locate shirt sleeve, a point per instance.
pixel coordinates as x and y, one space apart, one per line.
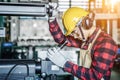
103 60
59 37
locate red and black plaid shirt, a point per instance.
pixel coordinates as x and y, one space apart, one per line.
104 52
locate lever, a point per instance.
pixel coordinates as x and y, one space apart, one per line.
62 45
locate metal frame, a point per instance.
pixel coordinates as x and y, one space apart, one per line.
23 9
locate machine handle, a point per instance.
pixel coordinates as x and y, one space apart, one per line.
61 46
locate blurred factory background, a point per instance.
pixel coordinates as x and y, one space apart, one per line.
25 36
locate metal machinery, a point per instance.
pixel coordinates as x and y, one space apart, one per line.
24 57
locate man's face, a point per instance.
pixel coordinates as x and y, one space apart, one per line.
77 33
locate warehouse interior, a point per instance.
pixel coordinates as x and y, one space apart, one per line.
25 36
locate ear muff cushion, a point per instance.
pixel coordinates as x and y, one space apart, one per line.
88 20
88 23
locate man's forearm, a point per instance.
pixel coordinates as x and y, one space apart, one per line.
56 32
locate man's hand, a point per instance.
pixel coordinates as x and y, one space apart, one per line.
53 11
56 57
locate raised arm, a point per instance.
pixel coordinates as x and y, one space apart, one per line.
59 37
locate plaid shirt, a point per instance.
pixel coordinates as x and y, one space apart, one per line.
103 54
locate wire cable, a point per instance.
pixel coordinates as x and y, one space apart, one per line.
6 78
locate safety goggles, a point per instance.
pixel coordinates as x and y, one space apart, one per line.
74 33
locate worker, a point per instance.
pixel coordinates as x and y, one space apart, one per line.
82 33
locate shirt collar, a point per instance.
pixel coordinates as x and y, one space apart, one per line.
90 39
93 35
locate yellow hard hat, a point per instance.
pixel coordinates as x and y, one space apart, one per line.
71 17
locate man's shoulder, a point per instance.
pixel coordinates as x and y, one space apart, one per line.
104 37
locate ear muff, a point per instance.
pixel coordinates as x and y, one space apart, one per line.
88 21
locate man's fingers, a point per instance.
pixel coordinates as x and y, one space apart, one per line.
50 56
50 51
55 50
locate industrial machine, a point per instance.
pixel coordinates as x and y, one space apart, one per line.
31 69
16 65
24 57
